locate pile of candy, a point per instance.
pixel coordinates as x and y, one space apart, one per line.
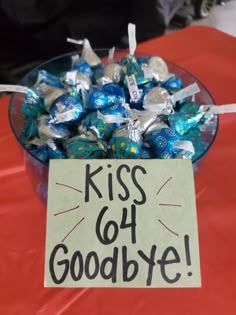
130 109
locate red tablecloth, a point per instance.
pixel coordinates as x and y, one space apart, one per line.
211 56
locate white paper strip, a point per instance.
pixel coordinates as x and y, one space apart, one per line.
111 55
132 38
185 92
133 88
66 116
220 109
13 88
75 41
74 60
110 119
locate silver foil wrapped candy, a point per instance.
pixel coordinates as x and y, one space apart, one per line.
158 100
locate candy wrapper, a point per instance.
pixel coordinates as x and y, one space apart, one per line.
126 142
33 106
47 130
29 130
154 67
161 141
102 124
113 72
44 151
54 151
137 100
48 78
88 54
182 123
173 82
167 144
84 67
98 127
156 125
81 148
108 95
76 80
144 119
158 100
133 68
124 148
66 109
146 153
49 94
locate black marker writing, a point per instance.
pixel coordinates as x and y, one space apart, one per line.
164 262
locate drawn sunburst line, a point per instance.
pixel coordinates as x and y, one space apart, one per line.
168 228
65 211
72 230
67 186
169 205
163 185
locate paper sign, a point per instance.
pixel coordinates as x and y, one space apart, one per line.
121 223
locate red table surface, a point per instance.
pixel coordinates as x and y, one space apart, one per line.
210 55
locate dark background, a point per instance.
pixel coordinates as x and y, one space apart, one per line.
32 31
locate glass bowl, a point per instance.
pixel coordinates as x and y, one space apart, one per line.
38 170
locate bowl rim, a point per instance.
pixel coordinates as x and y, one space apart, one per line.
76 52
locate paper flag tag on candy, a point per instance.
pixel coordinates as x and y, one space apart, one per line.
190 90
132 38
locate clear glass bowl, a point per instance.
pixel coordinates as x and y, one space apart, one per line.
37 170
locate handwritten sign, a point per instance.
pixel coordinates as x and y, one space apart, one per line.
121 223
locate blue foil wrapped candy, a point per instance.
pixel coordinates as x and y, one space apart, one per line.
146 153
29 130
47 130
143 59
98 127
33 105
114 89
124 148
133 68
200 144
48 150
125 142
173 82
143 89
49 94
84 67
161 142
182 123
189 108
100 98
81 148
54 151
116 110
97 74
48 78
76 80
40 153
67 109
186 118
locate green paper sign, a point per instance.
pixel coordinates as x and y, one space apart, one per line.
121 223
